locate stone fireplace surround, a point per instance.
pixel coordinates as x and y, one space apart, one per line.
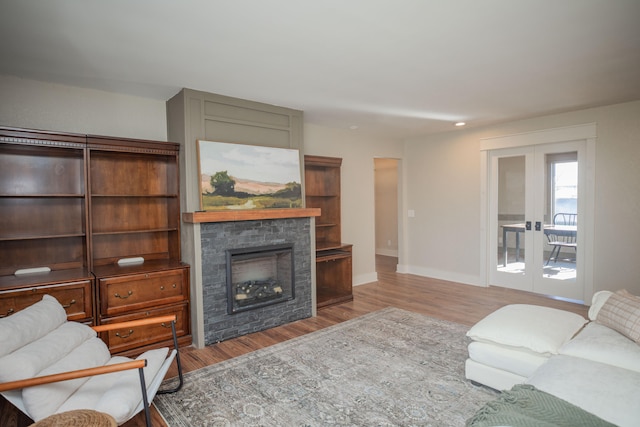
229 232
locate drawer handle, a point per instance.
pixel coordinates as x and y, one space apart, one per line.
9 313
117 295
125 336
164 325
70 304
162 287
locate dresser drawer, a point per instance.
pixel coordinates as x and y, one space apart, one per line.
120 340
75 297
123 294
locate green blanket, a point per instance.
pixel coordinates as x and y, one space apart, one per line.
526 406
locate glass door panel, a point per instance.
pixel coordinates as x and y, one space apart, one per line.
561 214
510 243
557 260
511 214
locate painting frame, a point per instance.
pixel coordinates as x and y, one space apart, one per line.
237 176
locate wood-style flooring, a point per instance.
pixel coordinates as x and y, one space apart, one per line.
456 302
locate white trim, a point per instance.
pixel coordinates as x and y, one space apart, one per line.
402 268
443 275
546 136
484 221
387 252
363 279
589 226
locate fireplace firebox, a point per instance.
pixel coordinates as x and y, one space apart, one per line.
259 276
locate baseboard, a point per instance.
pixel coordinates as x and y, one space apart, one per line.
441 275
387 252
362 279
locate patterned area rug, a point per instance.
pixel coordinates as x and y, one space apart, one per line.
387 368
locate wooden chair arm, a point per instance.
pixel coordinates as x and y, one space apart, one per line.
132 323
81 373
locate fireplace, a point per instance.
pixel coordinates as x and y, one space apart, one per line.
287 243
259 276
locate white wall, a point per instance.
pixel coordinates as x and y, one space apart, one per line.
46 106
442 175
357 195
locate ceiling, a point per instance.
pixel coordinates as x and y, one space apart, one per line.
391 68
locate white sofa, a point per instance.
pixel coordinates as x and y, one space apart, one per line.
595 367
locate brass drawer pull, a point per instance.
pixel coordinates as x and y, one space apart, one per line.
117 295
70 304
125 336
173 286
9 313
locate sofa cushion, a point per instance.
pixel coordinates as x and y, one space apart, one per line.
542 330
621 312
606 391
32 358
519 361
597 301
601 344
31 323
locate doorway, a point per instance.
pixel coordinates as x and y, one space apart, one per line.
386 213
538 223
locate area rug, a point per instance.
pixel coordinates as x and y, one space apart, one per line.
387 368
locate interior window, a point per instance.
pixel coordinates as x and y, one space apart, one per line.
563 183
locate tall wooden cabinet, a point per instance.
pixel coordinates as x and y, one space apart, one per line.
43 222
333 258
103 214
135 239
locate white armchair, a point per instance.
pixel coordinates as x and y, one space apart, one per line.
49 365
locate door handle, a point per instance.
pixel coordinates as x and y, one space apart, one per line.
527 225
538 225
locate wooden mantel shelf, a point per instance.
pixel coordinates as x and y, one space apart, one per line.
247 215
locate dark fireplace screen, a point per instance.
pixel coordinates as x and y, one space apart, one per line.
259 276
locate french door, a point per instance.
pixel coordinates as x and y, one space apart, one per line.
536 218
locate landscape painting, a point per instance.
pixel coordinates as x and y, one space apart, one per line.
239 176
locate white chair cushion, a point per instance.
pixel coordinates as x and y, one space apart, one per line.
32 358
43 400
540 329
117 394
30 324
122 395
89 394
601 344
122 398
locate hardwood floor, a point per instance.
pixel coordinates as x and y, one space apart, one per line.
456 302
